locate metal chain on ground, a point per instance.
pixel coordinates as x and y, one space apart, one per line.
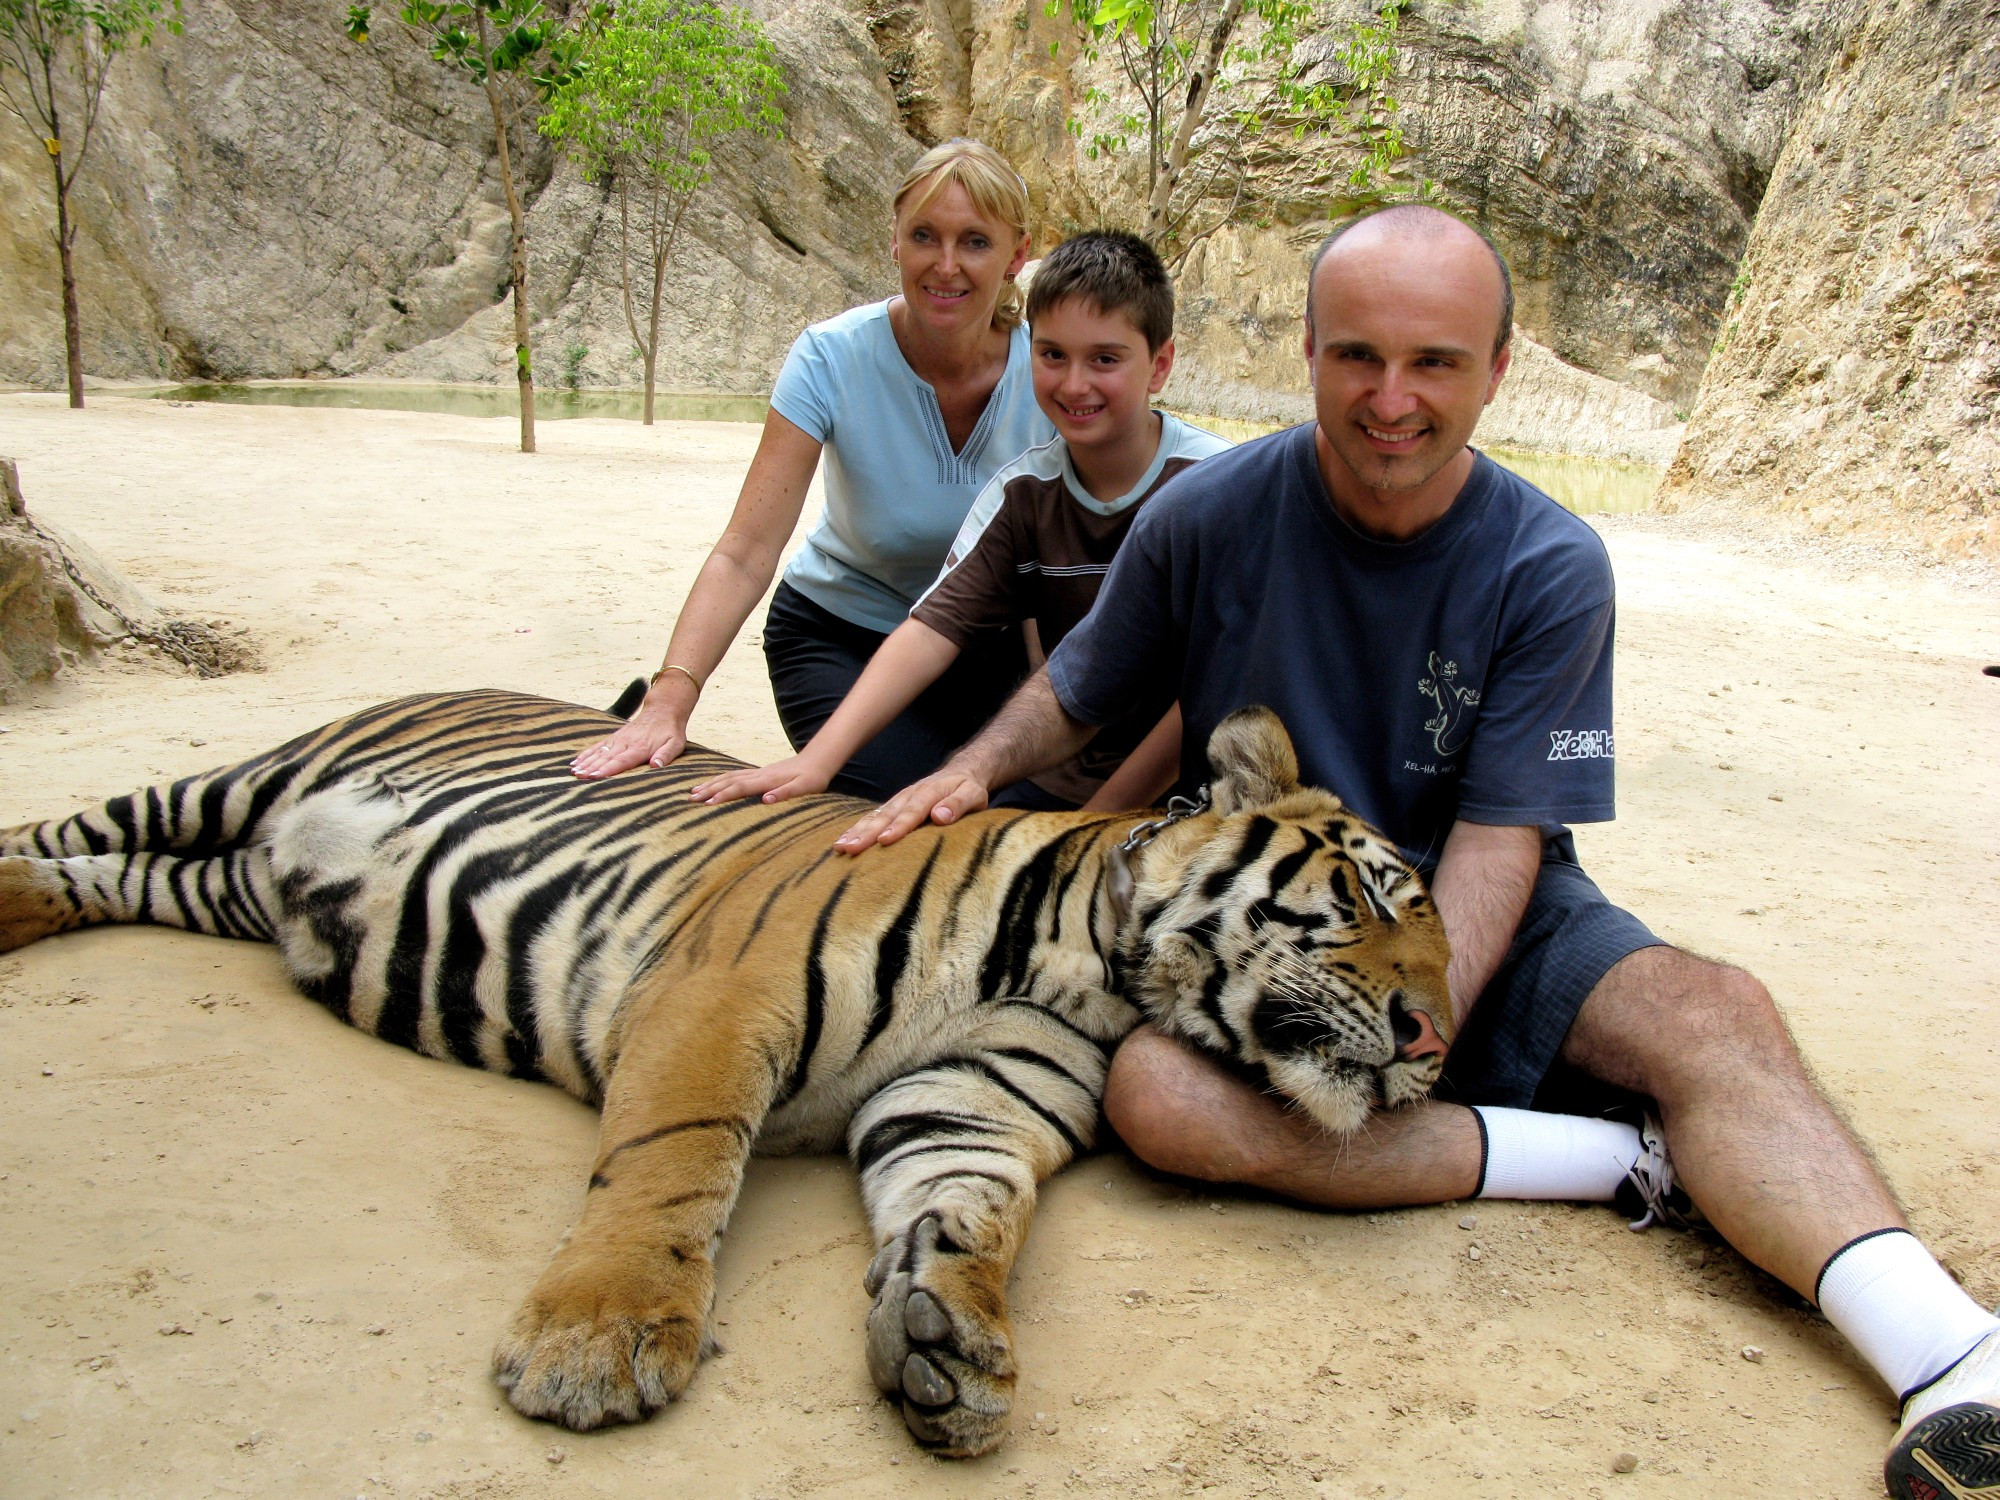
203 649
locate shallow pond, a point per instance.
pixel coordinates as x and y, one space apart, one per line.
1585 485
1588 486
472 400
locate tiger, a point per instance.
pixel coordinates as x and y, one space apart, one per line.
718 979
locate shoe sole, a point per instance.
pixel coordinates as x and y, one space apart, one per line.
1953 1454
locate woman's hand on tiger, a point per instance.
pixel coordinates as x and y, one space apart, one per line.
943 797
652 737
795 776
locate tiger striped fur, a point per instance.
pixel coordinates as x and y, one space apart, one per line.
718 979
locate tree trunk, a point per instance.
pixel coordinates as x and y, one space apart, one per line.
640 342
661 252
65 246
523 364
72 318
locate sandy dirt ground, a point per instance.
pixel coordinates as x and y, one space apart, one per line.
245 1251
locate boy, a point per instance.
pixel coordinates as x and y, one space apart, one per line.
1037 542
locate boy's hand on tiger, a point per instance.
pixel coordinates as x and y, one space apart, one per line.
942 797
649 738
794 776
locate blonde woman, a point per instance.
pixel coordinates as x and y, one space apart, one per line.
914 403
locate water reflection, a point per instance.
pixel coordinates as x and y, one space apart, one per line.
1236 429
1587 486
473 400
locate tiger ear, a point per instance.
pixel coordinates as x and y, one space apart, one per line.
1252 759
1119 885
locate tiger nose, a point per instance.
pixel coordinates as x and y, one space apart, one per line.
1416 1034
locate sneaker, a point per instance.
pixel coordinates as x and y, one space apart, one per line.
1649 1195
1948 1447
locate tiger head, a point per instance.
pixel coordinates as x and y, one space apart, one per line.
1277 929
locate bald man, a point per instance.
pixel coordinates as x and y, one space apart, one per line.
1436 633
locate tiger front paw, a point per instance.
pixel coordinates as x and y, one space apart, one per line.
587 1350
939 1342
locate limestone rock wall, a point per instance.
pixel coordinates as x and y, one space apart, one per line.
794 229
1618 153
1615 149
1857 383
257 193
269 200
1553 407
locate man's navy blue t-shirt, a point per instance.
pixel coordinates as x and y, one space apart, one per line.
1464 674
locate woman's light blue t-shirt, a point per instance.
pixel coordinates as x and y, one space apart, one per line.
895 492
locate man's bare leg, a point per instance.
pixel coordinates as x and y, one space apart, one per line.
1181 1113
1786 1183
1753 1142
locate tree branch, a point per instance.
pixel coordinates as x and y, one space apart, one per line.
1199 90
93 96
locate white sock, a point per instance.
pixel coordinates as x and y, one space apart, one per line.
1900 1309
1560 1158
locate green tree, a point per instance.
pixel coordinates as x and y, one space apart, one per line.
54 58
654 91
1204 79
517 53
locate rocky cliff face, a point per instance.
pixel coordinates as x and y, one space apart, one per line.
1615 149
1856 384
268 199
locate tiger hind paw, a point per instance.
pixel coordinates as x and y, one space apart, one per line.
33 903
938 1340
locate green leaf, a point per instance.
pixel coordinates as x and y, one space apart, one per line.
658 82
1340 91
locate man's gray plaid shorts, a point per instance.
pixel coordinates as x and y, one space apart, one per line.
1569 938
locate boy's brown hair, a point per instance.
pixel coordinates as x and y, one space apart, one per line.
1116 273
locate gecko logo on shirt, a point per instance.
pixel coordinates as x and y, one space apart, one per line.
1451 725
1580 744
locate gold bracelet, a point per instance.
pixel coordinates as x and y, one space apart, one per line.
674 667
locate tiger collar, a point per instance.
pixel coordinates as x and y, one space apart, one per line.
1119 884
1177 809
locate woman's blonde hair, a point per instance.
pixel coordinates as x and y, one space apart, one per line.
996 190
